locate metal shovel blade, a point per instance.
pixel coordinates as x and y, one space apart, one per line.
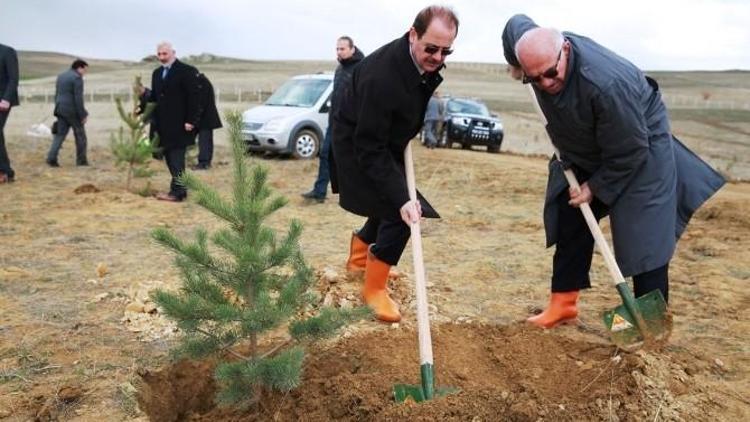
406 392
625 333
423 392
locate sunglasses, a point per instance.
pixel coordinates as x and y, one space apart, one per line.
548 74
432 49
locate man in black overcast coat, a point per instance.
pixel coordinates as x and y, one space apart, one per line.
381 110
174 89
8 99
348 56
209 121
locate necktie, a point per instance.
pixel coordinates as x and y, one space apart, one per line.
164 72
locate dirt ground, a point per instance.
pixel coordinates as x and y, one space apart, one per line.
80 341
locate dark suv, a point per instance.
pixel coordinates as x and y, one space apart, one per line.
468 122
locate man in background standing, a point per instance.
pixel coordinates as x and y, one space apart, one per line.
432 118
174 89
209 121
70 113
348 57
8 99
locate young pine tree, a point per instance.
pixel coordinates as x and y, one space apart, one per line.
133 150
249 283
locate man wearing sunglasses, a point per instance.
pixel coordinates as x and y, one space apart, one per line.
611 127
381 110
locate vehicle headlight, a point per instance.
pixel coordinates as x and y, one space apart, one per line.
274 125
497 127
460 121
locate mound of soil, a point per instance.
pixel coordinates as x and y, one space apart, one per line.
514 373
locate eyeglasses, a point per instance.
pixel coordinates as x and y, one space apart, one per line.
548 74
432 49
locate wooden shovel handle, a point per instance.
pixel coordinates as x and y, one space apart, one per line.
588 215
423 316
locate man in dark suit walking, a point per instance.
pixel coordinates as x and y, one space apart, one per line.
8 99
209 121
174 89
70 113
382 109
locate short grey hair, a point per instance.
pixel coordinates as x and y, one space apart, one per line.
165 44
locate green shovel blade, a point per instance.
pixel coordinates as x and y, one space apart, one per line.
425 391
623 330
405 392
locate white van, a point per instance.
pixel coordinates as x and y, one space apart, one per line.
293 120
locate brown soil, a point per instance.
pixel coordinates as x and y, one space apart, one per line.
77 330
514 373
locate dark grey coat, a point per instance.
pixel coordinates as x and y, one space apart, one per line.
610 121
434 109
69 96
8 75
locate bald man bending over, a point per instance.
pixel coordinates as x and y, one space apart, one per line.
611 127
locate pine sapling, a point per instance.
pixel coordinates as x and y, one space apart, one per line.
132 146
244 282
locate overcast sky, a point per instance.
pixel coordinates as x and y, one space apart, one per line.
654 34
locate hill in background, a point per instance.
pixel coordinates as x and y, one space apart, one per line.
41 64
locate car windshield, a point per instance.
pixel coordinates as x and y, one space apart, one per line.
298 93
467 107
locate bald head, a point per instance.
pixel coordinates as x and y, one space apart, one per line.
543 54
539 44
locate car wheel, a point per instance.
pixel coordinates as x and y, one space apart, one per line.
305 144
466 146
494 149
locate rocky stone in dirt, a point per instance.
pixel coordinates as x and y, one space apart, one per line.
101 270
65 397
86 188
135 307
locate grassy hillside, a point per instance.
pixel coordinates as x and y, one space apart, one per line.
40 64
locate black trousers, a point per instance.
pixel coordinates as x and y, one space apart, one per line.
4 159
175 158
389 238
205 146
575 246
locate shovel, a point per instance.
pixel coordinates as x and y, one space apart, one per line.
638 321
426 390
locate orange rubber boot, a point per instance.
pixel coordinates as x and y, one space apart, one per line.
562 308
375 293
357 254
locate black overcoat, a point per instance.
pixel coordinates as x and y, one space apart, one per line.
209 114
177 103
381 110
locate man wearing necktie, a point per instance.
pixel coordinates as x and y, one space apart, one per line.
174 89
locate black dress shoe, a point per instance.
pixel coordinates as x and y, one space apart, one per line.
314 196
53 163
83 164
201 167
168 197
